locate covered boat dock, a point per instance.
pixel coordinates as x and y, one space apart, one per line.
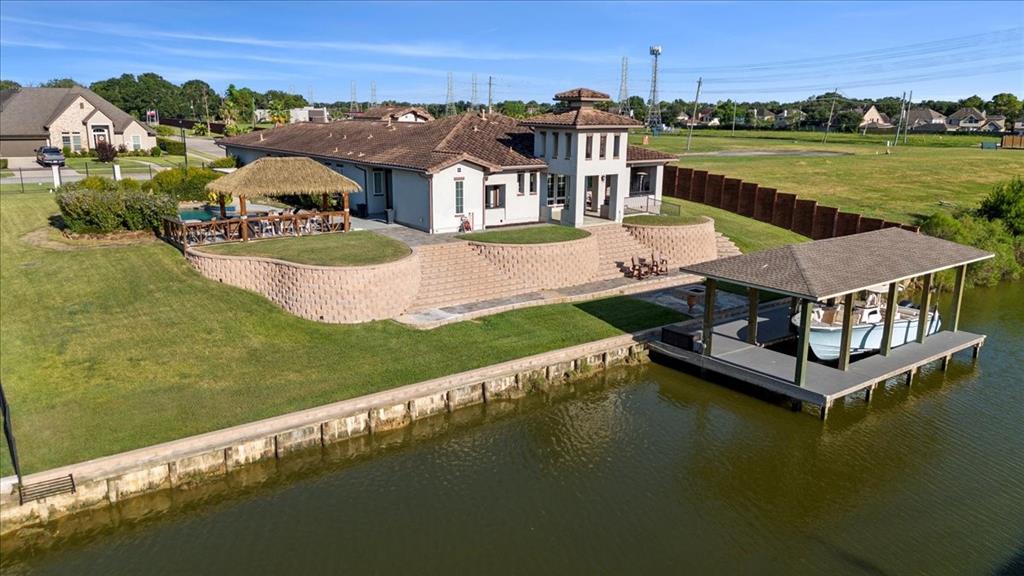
825 271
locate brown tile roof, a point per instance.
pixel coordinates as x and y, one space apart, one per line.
29 111
578 94
828 268
641 154
588 117
393 112
494 141
965 112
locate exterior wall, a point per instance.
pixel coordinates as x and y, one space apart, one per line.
443 191
356 174
532 264
147 142
577 167
411 195
101 120
410 117
333 294
518 209
71 121
244 155
680 245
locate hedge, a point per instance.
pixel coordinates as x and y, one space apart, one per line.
101 205
173 147
3 163
182 185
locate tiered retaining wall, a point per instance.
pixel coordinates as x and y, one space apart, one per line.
680 245
768 204
545 266
187 462
346 295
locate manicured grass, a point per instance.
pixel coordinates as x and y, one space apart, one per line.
540 234
913 181
661 220
749 235
360 248
109 349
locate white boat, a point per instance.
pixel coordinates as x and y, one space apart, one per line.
868 326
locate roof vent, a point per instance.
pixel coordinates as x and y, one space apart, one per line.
361 154
368 136
344 136
335 149
476 128
330 134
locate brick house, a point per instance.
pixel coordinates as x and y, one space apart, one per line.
76 118
486 169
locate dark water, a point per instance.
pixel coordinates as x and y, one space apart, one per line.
639 470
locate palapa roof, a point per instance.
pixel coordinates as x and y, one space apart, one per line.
29 111
830 268
290 176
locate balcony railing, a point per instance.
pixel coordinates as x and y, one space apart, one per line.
197 233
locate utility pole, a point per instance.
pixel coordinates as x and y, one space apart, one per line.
734 118
899 120
490 94
831 111
184 145
906 123
373 94
624 88
449 99
206 108
693 118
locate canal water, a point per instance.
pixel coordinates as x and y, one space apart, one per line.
637 470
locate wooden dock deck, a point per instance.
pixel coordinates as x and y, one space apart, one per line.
733 357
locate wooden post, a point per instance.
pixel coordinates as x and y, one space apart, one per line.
753 295
324 202
847 333
709 314
890 316
910 376
926 303
945 363
958 297
803 343
241 215
344 201
223 208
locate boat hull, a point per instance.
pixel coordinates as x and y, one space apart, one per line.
826 342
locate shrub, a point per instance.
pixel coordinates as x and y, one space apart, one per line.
105 152
1006 202
174 147
155 151
182 185
101 205
162 130
3 163
199 129
991 235
225 162
67 151
122 149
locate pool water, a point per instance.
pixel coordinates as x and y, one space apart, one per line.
195 214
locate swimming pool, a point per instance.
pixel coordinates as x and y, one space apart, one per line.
197 214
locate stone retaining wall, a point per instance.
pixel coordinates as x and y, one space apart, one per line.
334 294
545 266
681 245
214 455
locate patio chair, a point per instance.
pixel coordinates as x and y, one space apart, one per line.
659 264
639 269
285 225
265 228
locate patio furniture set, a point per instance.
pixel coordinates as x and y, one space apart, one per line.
642 267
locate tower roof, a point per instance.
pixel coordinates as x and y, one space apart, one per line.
582 95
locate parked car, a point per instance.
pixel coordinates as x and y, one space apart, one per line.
48 156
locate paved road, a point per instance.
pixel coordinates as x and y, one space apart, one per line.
204 146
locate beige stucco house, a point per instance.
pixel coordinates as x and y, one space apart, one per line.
74 118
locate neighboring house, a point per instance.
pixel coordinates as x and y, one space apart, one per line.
924 118
487 169
763 116
788 118
303 114
994 123
967 119
75 118
394 114
875 119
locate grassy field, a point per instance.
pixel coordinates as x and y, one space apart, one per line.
748 234
112 348
914 181
529 235
359 248
661 220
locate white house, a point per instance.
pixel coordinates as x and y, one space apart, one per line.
394 114
75 118
874 118
483 169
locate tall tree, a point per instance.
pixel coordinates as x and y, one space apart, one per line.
200 98
1006 104
60 83
973 102
9 85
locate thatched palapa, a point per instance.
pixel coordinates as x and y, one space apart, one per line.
289 176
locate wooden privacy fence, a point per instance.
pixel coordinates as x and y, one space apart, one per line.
1013 142
768 205
196 233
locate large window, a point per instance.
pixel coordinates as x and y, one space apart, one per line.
521 177
378 183
568 145
76 141
459 196
590 147
555 143
543 144
615 146
557 185
533 184
65 140
495 196
603 150
136 142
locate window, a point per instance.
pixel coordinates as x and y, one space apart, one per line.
590 146
65 139
522 185
495 196
543 144
459 185
533 184
603 150
615 146
76 141
378 183
136 142
568 145
557 184
554 145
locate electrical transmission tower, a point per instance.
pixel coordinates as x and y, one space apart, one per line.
490 94
624 89
353 105
654 105
449 99
373 94
473 98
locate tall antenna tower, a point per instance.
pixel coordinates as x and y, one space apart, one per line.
449 99
373 94
353 105
654 104
624 89
473 98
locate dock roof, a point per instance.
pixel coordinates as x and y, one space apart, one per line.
830 268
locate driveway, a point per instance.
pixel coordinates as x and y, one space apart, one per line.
24 162
204 146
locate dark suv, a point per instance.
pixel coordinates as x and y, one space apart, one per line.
48 156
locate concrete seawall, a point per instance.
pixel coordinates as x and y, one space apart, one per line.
207 457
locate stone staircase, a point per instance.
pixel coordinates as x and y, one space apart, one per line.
616 247
726 247
453 273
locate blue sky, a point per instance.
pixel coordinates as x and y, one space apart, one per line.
747 51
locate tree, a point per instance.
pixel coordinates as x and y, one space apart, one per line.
9 85
228 112
105 152
201 98
973 102
513 108
59 83
1006 202
287 100
1006 104
279 114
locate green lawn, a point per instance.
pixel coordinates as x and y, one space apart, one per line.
359 248
661 220
540 234
748 234
114 348
136 164
913 181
